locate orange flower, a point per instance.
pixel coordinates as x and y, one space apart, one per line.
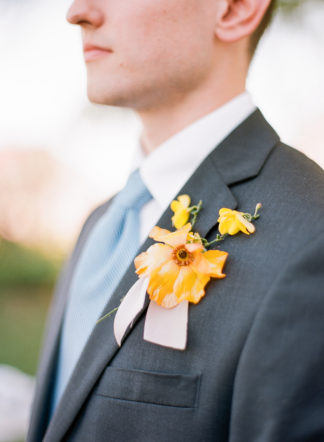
178 270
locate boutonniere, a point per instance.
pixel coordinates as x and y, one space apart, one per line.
175 271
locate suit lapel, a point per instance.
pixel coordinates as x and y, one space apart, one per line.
239 157
47 364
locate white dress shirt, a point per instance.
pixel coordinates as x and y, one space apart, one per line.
166 169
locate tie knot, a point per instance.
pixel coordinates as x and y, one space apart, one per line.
135 194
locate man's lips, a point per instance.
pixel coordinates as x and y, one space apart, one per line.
92 52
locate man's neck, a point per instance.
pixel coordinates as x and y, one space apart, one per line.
160 124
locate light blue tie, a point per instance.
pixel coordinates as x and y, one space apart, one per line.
109 250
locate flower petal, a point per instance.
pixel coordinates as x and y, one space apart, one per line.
180 218
224 211
198 290
184 200
158 234
169 301
249 227
190 285
231 222
233 226
173 239
194 247
181 211
161 284
210 263
152 259
175 205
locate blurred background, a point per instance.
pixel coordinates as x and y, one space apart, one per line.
60 156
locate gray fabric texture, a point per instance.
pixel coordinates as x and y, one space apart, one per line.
252 370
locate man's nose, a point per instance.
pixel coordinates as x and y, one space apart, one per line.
84 12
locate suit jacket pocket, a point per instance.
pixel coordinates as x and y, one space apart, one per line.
176 390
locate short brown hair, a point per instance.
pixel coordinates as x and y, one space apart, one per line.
256 36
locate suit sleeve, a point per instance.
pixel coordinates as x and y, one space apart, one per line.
278 392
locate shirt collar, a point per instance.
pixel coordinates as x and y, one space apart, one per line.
166 169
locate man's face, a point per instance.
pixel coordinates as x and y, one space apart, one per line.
158 50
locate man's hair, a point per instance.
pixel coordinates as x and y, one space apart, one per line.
256 36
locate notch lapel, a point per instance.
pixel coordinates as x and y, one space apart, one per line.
239 157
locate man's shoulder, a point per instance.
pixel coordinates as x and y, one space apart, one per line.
297 165
290 187
294 178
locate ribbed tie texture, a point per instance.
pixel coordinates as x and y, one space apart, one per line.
109 249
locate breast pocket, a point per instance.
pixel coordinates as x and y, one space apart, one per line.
175 390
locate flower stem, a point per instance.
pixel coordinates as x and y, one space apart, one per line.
107 315
256 212
218 238
194 210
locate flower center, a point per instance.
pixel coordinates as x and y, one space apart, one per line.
182 256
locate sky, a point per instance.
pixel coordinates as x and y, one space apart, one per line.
44 105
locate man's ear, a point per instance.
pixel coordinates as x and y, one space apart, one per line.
239 18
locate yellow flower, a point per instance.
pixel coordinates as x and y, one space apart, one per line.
232 222
181 211
178 270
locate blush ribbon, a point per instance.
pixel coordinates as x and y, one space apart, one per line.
165 327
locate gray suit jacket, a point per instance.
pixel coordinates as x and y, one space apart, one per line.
254 363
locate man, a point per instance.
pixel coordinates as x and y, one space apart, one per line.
252 368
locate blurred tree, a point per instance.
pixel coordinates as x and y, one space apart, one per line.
289 5
22 266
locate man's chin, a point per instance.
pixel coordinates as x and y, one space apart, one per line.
96 100
103 97
121 97
96 97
